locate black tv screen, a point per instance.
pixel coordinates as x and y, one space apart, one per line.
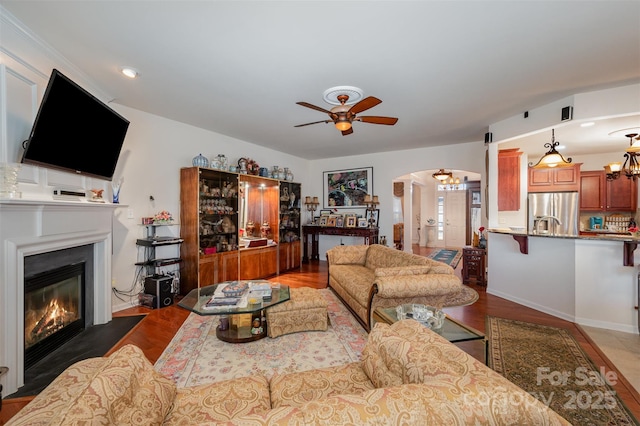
75 131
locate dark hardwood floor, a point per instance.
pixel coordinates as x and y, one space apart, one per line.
155 332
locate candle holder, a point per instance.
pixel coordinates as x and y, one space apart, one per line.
372 206
312 205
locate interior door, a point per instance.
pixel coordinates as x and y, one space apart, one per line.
455 214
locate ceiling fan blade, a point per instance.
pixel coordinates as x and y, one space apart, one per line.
317 108
390 121
366 103
347 132
315 122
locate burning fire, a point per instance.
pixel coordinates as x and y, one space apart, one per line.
53 318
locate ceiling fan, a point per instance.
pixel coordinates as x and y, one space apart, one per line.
343 115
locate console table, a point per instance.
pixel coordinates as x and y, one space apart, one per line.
370 236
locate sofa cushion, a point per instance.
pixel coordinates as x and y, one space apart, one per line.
220 402
126 390
402 270
295 389
355 280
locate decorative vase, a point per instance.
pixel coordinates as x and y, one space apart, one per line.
274 172
115 186
242 163
476 240
265 230
200 161
482 242
250 228
220 162
288 175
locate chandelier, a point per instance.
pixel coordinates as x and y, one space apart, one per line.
631 167
453 184
552 158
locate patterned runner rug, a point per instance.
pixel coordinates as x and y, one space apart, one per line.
196 356
449 256
549 363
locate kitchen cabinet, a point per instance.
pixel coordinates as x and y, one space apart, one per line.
509 179
555 179
598 194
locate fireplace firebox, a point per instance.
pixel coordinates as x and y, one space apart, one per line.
54 310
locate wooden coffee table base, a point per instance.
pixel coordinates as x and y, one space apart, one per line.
238 332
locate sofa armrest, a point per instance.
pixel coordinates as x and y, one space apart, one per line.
403 286
347 255
440 268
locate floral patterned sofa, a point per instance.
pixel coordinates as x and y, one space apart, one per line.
369 276
408 375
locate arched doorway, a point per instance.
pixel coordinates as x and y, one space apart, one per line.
435 213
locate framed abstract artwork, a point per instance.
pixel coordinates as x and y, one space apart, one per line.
347 188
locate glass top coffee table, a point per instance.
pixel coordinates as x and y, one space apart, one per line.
452 330
237 324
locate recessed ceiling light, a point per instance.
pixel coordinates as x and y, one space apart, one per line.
561 147
129 72
588 124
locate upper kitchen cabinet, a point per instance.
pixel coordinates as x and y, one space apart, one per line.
599 194
509 179
558 179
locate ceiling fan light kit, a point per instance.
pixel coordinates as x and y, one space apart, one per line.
344 114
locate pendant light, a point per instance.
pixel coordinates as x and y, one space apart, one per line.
552 158
442 176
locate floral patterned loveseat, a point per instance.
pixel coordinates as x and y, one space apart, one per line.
408 375
369 276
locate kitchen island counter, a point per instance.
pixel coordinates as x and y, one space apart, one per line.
578 278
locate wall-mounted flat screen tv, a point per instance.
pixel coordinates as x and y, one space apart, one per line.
75 131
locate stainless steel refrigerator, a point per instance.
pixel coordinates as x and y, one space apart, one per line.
553 213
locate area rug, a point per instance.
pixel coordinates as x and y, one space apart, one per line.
196 356
549 363
449 256
465 297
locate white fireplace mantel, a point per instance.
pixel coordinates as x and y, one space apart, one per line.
29 227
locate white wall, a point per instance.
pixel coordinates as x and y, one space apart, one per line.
389 165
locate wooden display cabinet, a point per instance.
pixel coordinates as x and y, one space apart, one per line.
259 203
208 226
290 231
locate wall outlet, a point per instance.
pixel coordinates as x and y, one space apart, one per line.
502 221
130 214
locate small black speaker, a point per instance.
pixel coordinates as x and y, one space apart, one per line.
488 137
567 113
160 287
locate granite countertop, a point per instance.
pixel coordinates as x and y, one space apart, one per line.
595 235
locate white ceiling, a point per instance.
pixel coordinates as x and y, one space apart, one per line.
446 69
